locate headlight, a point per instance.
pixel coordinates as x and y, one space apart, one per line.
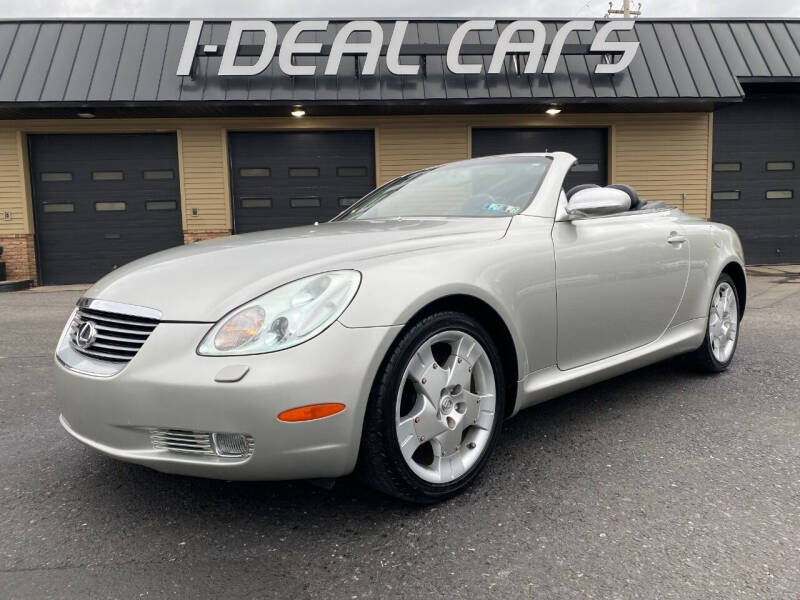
285 317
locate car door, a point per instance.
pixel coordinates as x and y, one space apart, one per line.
619 282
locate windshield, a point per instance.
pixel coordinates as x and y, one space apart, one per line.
493 187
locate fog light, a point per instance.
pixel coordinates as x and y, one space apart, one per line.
231 445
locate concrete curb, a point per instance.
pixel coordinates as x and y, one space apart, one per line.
774 270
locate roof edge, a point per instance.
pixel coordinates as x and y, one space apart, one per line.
420 19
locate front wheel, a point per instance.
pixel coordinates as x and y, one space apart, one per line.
722 331
435 410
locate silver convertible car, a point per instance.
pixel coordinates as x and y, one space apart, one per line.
394 340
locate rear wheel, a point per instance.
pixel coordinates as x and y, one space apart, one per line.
722 331
435 410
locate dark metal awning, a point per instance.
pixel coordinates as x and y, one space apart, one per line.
53 66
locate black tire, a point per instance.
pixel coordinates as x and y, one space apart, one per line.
381 464
703 358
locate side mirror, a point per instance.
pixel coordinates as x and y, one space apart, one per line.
597 202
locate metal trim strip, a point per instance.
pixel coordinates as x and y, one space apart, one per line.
110 306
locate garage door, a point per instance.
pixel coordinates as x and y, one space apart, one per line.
756 177
590 146
102 201
282 179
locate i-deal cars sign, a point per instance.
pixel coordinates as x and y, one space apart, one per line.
290 46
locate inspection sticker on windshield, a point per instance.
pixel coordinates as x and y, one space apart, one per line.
499 207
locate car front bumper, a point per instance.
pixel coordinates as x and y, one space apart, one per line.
167 386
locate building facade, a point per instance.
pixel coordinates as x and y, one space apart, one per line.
118 139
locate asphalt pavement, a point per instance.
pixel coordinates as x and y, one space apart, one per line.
663 483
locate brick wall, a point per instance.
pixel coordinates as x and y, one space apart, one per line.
19 255
198 236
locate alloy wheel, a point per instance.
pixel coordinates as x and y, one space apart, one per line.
723 322
445 408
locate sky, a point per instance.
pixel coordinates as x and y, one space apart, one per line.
266 9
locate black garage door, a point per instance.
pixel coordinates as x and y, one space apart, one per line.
282 179
756 177
102 201
590 146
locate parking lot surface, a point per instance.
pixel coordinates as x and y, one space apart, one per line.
663 483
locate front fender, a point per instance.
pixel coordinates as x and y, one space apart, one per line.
515 276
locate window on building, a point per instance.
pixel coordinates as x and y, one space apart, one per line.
154 174
303 172
256 202
59 207
307 202
786 165
109 206
344 202
727 167
107 176
254 172
351 171
161 205
585 168
780 194
55 177
733 195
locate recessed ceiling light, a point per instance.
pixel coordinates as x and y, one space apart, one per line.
553 111
298 112
86 114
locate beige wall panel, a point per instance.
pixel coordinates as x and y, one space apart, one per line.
13 195
411 144
666 157
203 173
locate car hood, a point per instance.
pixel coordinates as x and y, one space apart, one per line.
205 280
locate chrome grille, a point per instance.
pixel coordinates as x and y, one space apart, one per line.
115 337
191 442
182 440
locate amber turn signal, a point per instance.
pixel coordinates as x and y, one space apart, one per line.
311 412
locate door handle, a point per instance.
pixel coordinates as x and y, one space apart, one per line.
676 239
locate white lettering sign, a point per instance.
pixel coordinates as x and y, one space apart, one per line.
290 46
454 49
505 45
227 66
601 44
372 47
393 53
558 42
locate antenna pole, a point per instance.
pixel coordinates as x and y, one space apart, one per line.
625 11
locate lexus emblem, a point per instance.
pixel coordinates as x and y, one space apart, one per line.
87 333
